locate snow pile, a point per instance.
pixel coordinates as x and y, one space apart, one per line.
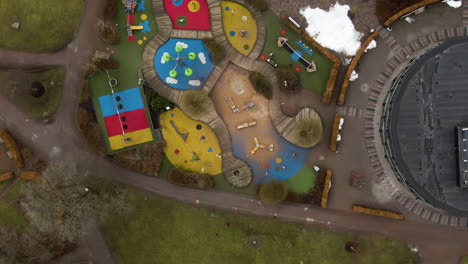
372 45
333 29
453 3
354 76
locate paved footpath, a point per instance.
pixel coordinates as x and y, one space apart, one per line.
61 140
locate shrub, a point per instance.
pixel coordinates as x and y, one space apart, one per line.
94 65
289 76
273 192
387 8
156 102
296 197
260 5
196 104
199 181
315 194
145 159
261 84
106 27
216 50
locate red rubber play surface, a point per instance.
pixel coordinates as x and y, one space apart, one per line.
188 14
133 121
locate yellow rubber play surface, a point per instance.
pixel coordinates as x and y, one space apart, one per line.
239 26
190 145
138 137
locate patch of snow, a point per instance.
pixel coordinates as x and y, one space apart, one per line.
183 44
162 57
453 3
171 80
372 45
347 61
333 29
202 57
194 82
354 76
409 19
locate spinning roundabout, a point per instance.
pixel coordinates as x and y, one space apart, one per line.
183 63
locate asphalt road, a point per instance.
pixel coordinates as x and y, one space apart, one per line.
61 140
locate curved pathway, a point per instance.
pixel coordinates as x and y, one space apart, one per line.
62 140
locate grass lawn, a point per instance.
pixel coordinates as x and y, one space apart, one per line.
161 231
302 181
10 217
315 81
18 90
129 56
464 260
46 25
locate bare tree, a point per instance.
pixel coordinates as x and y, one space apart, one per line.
69 201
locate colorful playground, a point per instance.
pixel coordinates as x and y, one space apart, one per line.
254 139
125 119
240 26
188 14
286 48
190 145
183 63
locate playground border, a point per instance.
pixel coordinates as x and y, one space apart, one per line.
352 66
327 94
407 10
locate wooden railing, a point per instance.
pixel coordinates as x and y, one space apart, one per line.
407 10
352 66
12 148
326 189
334 133
377 212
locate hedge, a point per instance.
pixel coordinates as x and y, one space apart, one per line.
198 181
352 66
326 97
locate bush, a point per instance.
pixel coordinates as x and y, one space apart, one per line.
290 76
261 84
260 5
94 65
315 194
296 197
216 50
273 192
387 8
199 181
146 159
156 102
106 27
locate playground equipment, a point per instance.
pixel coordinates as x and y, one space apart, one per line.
283 43
182 135
130 5
187 71
248 105
129 27
246 125
231 103
258 146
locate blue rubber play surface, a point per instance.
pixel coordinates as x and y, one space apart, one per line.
141 6
293 160
201 67
129 100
